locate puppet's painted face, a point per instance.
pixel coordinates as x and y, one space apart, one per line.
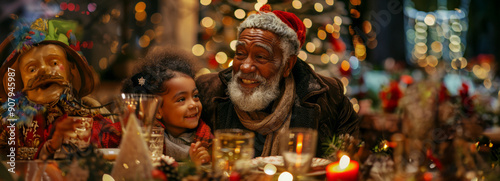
45 73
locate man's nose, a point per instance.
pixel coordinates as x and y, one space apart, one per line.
46 69
247 65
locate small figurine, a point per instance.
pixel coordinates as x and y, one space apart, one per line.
45 80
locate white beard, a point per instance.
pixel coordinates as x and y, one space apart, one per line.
257 99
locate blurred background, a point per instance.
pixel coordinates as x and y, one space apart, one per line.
366 44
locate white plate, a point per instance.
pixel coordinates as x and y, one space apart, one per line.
318 164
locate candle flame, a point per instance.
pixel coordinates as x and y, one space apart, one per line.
300 138
344 162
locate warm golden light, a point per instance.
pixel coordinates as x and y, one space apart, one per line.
106 18
432 60
140 7
345 65
221 57
321 34
329 2
318 7
297 4
355 13
103 63
337 20
258 5
302 55
334 58
207 22
430 20
310 47
307 22
367 27
437 46
344 162
198 50
239 13
144 41
233 45
300 139
329 28
270 169
205 2
141 16
356 2
325 58
202 71
285 176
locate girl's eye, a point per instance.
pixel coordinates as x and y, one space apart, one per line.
196 96
181 99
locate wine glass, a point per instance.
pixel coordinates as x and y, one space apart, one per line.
298 147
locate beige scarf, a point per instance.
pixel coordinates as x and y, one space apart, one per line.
271 125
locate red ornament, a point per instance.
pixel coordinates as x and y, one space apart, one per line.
158 175
212 63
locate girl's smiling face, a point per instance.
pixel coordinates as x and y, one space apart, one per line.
181 108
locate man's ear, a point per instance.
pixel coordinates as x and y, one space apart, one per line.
289 65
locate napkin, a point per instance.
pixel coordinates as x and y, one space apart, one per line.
134 160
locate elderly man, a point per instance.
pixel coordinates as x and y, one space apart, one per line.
44 81
268 90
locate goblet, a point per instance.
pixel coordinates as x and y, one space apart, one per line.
233 151
143 106
298 147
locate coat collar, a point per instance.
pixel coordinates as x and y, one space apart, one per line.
308 83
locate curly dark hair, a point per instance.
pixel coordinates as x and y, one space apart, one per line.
159 66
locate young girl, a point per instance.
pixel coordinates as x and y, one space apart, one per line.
169 74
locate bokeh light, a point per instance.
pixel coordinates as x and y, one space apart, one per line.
144 41
198 50
325 58
156 18
297 4
302 55
140 7
318 7
321 34
239 13
207 22
334 58
221 57
329 2
205 2
233 45
307 22
310 47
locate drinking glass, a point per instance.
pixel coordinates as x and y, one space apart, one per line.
83 131
144 106
156 142
233 151
298 147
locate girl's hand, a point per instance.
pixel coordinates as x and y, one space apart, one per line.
199 154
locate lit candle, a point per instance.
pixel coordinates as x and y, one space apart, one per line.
343 170
300 138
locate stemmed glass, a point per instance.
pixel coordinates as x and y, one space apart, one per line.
143 106
298 147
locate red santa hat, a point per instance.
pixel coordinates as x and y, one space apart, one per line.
286 25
